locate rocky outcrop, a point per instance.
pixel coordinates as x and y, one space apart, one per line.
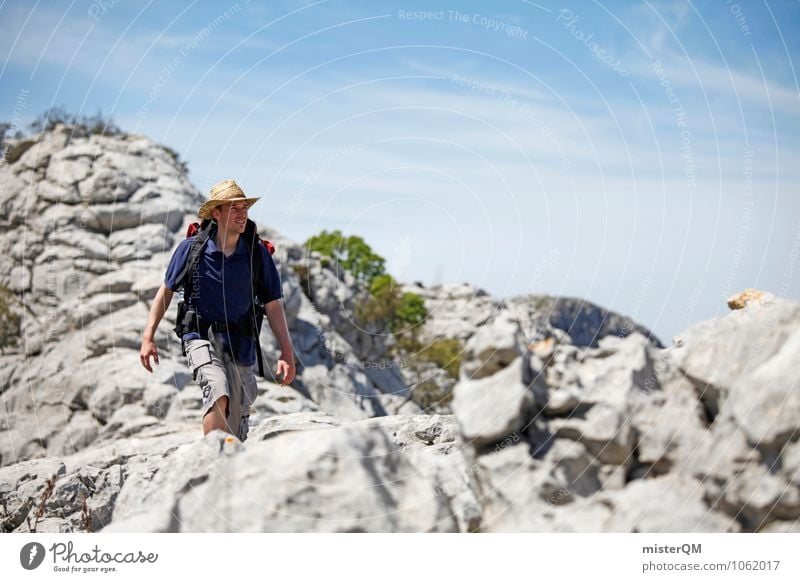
622 436
612 438
89 223
460 310
580 425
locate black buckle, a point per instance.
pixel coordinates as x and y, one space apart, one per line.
219 326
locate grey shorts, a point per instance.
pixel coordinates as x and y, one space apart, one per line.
219 375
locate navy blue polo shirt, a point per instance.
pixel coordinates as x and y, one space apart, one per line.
220 289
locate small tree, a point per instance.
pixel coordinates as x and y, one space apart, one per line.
351 252
97 123
51 117
100 124
387 308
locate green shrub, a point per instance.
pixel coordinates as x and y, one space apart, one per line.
305 281
445 353
400 313
427 394
183 164
6 132
10 320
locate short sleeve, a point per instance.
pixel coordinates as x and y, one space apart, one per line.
272 281
176 264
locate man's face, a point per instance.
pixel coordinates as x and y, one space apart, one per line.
231 216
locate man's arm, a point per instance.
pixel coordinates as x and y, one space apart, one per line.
157 311
277 322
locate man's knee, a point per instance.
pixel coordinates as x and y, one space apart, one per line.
216 417
221 405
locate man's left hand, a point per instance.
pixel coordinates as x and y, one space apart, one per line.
286 368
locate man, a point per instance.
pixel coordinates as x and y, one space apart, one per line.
221 352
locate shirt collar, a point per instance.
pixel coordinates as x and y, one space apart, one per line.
212 247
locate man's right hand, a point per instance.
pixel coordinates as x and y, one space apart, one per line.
148 350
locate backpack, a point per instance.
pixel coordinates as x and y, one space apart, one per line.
201 233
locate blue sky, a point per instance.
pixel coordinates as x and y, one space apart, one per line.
642 155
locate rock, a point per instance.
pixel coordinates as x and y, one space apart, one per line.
446 467
25 488
782 527
493 407
82 430
604 430
57 193
585 323
716 354
566 418
128 420
67 173
349 479
19 279
275 399
186 406
518 492
14 149
766 404
573 470
107 186
89 245
106 487
344 391
756 497
739 480
68 496
416 430
120 281
106 218
154 238
492 348
668 427
790 463
83 312
741 300
145 501
454 310
274 426
601 396
386 377
157 399
663 505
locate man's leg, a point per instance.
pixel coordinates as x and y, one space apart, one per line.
215 417
244 388
209 371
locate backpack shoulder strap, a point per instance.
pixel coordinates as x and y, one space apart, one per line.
253 241
199 241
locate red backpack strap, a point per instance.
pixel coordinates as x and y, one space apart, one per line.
269 246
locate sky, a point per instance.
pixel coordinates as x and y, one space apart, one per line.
641 155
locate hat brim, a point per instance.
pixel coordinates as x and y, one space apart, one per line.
205 209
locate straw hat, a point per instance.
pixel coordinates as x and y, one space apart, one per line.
222 193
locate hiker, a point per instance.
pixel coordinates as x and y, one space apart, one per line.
221 311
